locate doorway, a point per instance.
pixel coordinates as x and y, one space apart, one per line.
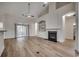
70 27
69 30
21 30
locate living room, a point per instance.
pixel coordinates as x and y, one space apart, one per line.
28 27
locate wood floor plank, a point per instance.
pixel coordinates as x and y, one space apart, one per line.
38 47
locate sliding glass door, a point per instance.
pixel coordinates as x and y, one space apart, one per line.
21 30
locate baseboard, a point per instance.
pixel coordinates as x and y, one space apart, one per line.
29 36
60 42
69 39
42 38
9 38
18 37
14 38
32 36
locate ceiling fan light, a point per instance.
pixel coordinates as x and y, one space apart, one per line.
29 15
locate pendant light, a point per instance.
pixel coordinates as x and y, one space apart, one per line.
28 15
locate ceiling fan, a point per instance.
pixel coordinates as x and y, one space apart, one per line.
28 15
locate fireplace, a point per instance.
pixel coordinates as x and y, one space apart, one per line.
52 36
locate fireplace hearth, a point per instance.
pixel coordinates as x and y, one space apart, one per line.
52 36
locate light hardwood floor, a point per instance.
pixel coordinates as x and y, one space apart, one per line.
38 47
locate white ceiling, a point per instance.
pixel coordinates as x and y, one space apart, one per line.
19 8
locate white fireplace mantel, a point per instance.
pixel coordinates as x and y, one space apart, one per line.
53 29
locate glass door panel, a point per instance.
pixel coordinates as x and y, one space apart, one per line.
21 30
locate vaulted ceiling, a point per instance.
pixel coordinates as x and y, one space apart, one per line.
20 8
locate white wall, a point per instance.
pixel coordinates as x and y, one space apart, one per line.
58 19
42 34
69 28
32 29
77 21
54 20
10 19
9 24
